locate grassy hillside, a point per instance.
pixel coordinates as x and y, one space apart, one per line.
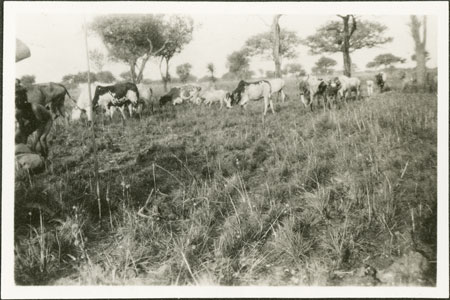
198 195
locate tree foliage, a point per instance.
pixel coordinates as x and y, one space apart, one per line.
324 66
238 63
27 80
98 59
211 69
80 77
105 76
262 43
386 60
184 72
294 69
328 38
132 39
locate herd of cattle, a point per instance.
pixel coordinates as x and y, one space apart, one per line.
38 105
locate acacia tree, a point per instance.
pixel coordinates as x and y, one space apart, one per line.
184 71
211 69
387 60
324 66
178 34
294 68
275 45
346 36
132 39
238 64
420 51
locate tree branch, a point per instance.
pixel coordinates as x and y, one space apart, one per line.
353 25
160 49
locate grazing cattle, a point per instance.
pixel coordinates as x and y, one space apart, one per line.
380 79
277 86
349 85
369 84
331 94
178 95
31 117
219 96
246 91
118 95
50 95
83 101
311 88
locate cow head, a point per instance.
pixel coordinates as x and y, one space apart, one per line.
236 95
227 100
21 98
303 87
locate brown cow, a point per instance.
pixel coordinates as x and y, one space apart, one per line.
50 95
31 117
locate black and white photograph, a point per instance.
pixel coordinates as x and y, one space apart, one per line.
225 149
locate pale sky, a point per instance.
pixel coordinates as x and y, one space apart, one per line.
57 43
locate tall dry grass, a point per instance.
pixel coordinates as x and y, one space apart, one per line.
197 195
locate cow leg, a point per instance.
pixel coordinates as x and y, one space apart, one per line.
130 109
43 137
283 96
122 111
266 104
271 105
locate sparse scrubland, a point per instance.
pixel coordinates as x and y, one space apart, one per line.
197 195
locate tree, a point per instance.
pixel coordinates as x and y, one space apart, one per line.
132 39
210 67
126 76
264 44
105 76
184 72
178 34
238 64
387 60
27 80
346 37
98 59
294 69
419 48
324 66
271 74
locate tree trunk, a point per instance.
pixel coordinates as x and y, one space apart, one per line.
133 70
345 48
167 77
276 45
420 49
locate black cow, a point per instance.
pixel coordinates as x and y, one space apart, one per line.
121 95
174 93
380 79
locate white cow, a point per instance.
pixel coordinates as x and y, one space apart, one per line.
83 101
311 88
214 96
246 91
276 86
145 97
107 99
369 84
348 85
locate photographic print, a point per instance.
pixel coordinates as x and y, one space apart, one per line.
167 145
